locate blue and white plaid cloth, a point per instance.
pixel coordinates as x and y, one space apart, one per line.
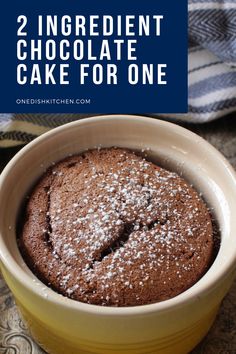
211 74
212 59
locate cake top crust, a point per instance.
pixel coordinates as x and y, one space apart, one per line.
108 227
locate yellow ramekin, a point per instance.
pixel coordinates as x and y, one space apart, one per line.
64 326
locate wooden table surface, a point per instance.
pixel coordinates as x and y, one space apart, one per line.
14 337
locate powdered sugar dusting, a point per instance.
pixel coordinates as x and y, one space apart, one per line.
120 227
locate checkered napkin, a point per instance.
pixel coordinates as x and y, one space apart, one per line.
212 59
211 74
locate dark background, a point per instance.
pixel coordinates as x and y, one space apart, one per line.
170 48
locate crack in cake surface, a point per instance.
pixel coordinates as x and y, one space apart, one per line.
48 230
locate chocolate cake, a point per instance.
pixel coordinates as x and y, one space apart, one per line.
108 227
